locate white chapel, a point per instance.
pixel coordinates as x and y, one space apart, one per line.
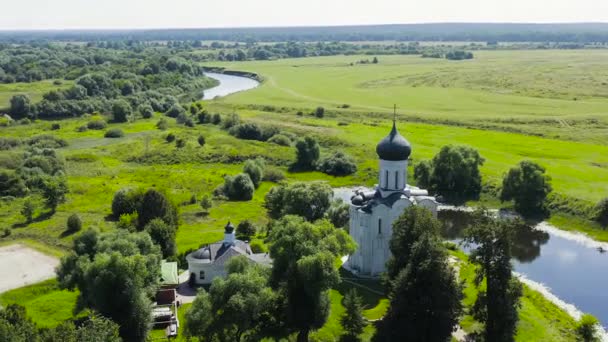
372 213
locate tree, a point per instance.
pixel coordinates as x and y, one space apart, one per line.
206 203
155 204
528 186
455 174
238 188
255 170
175 111
236 308
422 174
338 164
306 199
146 111
12 185
201 140
303 256
497 305
15 325
115 273
338 213
425 297
375 60
307 153
126 201
352 320
28 210
121 111
586 329
600 212
74 223
163 235
54 190
245 230
21 106
170 138
320 112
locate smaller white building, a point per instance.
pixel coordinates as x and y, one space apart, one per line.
209 261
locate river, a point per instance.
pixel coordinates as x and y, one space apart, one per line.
570 269
229 84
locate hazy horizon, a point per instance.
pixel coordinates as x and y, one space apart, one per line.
155 14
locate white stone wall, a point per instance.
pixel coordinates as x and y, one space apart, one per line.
392 175
211 271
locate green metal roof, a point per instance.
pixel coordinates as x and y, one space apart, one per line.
168 271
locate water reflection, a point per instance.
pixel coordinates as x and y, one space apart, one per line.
527 240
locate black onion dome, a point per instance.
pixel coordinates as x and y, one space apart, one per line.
229 228
394 147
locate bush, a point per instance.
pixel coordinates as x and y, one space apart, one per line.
245 230
47 141
307 153
528 187
114 133
126 201
175 111
280 139
163 235
320 112
247 131
170 138
25 121
206 203
121 111
180 143
231 121
338 164
216 119
203 117
74 223
586 329
82 128
128 221
162 124
6 232
146 111
97 124
274 175
201 140
255 170
600 213
55 126
238 188
258 247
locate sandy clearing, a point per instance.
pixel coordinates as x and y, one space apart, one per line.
20 266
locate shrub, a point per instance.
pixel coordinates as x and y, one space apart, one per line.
25 121
179 143
6 232
146 111
245 230
300 113
247 131
128 221
11 184
231 121
121 111
586 329
55 126
203 117
201 140
600 213
274 175
114 133
338 164
47 141
28 210
206 203
162 124
216 119
170 138
320 112
175 111
257 247
239 187
182 118
255 170
97 124
307 153
280 139
82 128
126 201
74 223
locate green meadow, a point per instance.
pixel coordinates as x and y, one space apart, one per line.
548 106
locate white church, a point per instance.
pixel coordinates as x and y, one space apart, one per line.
372 213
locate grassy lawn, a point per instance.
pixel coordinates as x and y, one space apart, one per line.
46 304
34 90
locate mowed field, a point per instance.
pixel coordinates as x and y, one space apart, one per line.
557 93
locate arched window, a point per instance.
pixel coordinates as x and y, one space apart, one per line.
386 179
396 180
201 275
379 226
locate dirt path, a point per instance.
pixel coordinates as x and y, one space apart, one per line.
20 266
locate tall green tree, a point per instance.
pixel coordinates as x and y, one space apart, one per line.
352 320
455 173
54 190
163 235
21 106
307 153
116 273
528 186
121 111
303 269
306 199
155 204
497 305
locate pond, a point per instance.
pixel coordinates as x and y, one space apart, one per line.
229 84
569 266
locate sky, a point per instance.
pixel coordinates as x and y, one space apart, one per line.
126 14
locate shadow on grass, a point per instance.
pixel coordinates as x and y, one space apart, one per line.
42 217
370 290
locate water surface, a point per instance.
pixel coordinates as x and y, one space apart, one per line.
229 84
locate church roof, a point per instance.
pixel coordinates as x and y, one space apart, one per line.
394 147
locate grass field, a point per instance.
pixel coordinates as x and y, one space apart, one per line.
34 90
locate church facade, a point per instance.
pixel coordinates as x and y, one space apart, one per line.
372 213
